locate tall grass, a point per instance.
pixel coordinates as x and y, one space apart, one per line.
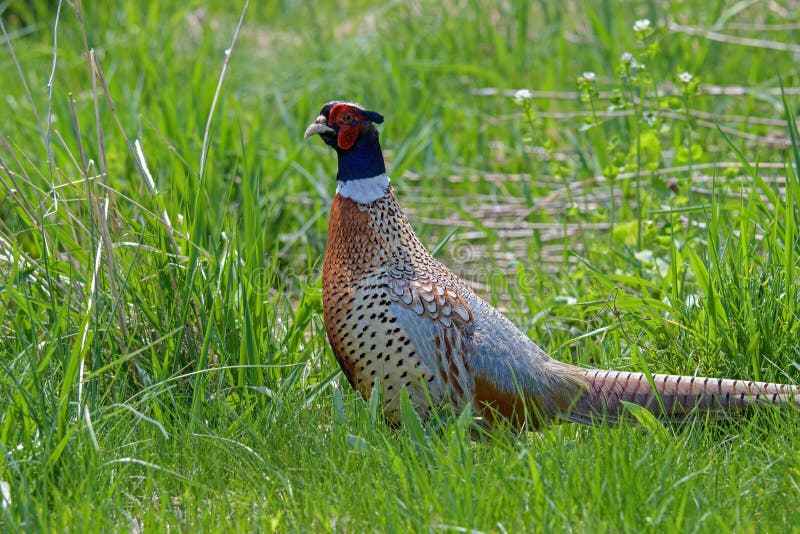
161 228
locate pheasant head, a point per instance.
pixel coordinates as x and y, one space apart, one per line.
350 130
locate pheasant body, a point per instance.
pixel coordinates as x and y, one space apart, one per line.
365 276
397 316
397 319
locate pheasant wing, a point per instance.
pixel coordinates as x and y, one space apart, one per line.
437 320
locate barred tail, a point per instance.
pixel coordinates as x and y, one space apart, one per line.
679 395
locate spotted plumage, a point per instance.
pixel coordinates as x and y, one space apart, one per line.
397 319
380 290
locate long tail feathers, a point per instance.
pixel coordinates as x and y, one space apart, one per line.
676 397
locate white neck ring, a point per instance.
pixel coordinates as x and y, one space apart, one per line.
364 190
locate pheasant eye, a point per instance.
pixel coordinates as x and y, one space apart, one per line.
347 118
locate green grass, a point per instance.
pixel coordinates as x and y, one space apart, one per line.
162 358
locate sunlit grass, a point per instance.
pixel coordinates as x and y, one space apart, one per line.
163 359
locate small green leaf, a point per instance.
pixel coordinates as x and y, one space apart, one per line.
649 421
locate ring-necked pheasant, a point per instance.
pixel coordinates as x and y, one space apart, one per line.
397 318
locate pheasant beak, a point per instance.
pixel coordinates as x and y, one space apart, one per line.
319 126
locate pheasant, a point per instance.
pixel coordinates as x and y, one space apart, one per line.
397 319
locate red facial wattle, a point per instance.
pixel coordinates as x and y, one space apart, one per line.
348 122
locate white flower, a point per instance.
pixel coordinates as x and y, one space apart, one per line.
522 95
685 77
641 25
626 58
589 76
